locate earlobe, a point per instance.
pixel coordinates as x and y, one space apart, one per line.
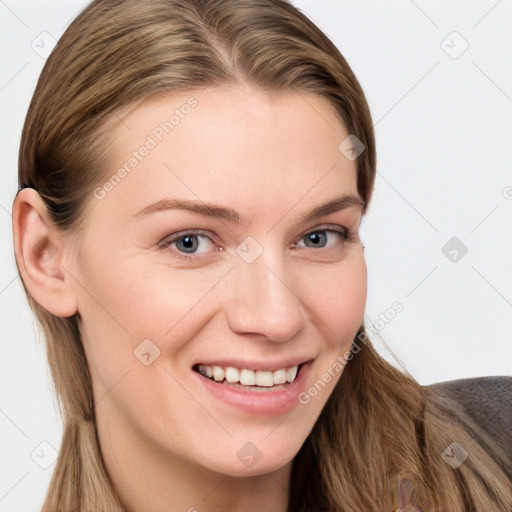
40 251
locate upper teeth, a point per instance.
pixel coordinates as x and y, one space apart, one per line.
249 377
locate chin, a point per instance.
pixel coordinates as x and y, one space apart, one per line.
259 458
259 468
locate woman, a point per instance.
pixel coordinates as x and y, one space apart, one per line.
192 178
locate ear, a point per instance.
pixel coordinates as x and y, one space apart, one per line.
40 250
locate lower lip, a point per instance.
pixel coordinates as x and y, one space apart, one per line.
272 402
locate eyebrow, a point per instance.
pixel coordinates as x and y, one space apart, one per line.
231 215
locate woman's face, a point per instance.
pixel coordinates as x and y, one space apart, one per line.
162 290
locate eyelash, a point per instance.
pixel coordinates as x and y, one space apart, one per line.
166 242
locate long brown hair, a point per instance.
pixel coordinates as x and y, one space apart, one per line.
379 426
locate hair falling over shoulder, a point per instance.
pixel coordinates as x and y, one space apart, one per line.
379 428
381 434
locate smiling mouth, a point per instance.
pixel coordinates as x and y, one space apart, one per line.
247 378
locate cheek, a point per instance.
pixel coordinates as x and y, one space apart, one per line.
340 306
114 302
338 297
125 303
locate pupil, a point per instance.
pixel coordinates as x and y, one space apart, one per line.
315 238
188 242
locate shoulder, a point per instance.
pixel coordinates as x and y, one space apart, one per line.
487 400
478 391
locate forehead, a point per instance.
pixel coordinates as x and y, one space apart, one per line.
231 145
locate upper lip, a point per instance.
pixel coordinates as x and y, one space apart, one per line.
256 365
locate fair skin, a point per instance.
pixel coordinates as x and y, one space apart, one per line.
167 441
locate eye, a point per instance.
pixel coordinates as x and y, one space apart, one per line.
318 238
187 243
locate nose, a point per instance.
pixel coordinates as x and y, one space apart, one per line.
263 301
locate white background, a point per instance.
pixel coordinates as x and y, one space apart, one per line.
444 170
